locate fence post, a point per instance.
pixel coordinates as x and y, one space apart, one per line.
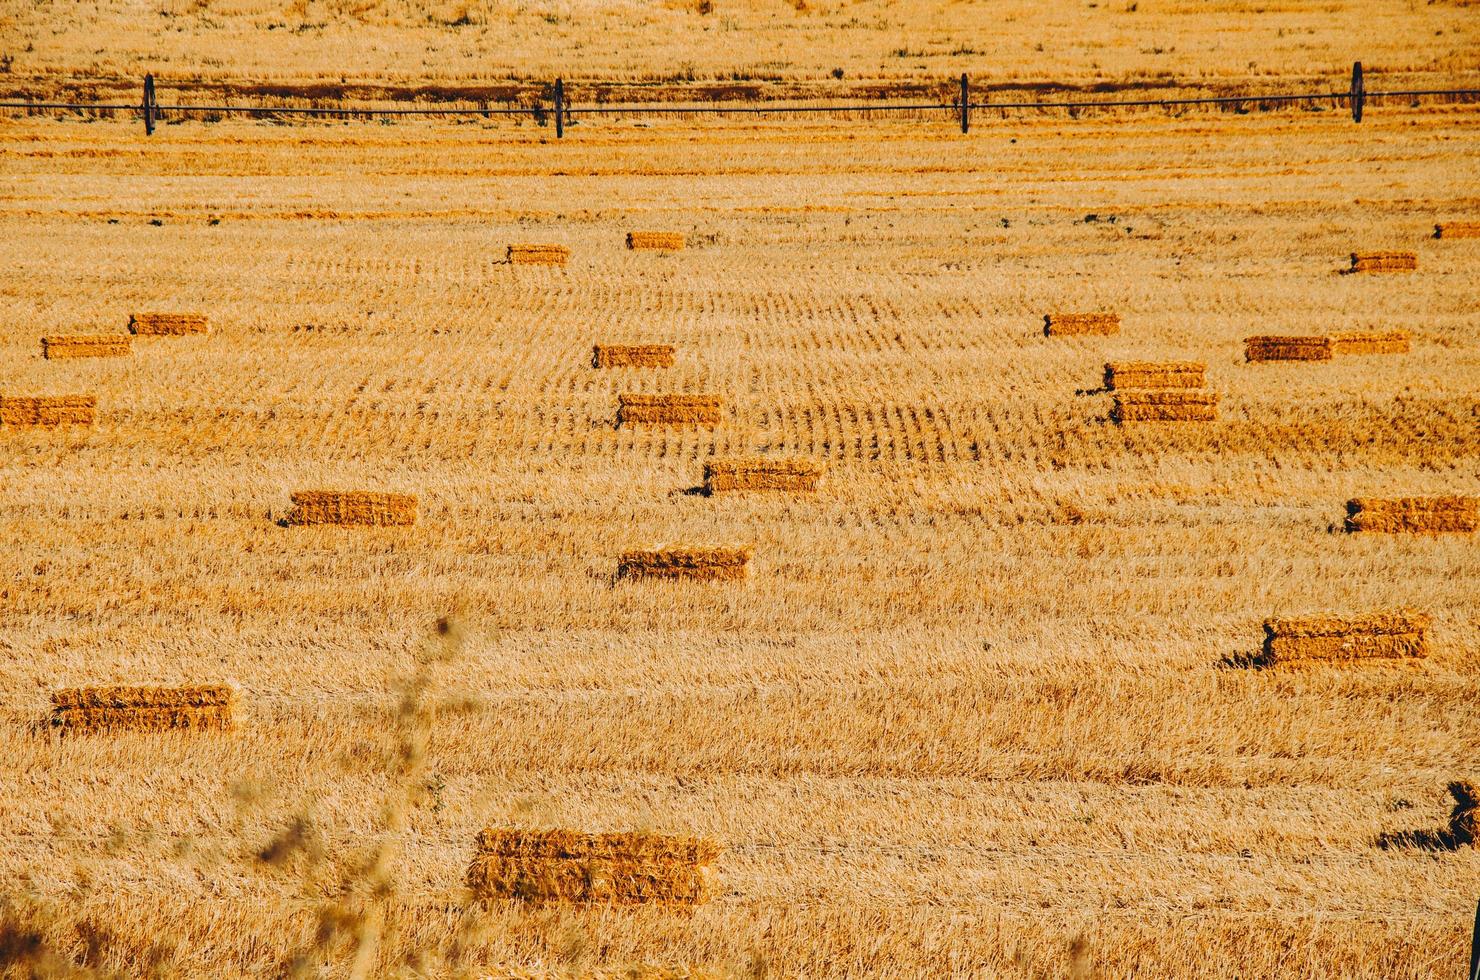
965 104
559 109
1358 93
148 105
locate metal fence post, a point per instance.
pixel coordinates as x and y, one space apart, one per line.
965 104
1358 93
148 105
559 109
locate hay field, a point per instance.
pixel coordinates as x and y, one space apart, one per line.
980 706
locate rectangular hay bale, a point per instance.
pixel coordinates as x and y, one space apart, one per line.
209 707
86 345
1375 636
762 473
1383 262
364 508
1458 229
635 409
571 866
671 241
703 564
18 410
167 324
1165 406
1386 342
538 254
1413 515
1268 348
1154 374
1079 324
633 355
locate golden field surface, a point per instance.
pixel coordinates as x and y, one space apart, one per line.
981 707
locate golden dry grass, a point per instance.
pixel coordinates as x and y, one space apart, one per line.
967 716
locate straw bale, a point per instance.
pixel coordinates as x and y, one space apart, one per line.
670 241
704 564
1069 324
48 409
208 707
1413 515
570 866
1154 374
1458 229
358 507
632 355
86 345
1464 819
1387 342
1389 635
1165 406
538 254
1266 348
668 409
1384 262
167 324
763 473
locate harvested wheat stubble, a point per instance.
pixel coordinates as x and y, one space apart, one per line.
1383 262
1165 406
48 409
147 709
670 241
538 254
1392 635
1458 229
706 564
1266 348
1413 515
86 345
352 507
762 473
1388 342
1073 324
167 324
633 355
570 866
1152 374
668 410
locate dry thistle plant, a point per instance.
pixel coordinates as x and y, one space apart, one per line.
356 921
